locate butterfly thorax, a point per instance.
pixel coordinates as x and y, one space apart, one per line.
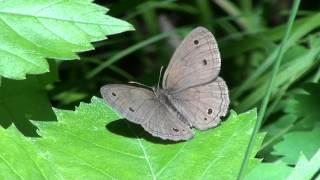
162 95
165 98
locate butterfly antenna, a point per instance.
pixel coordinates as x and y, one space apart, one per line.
160 77
133 82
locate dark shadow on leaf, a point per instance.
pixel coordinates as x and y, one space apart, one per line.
128 129
25 100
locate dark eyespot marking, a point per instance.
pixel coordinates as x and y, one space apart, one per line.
205 119
176 130
132 110
183 130
209 111
196 42
113 94
204 62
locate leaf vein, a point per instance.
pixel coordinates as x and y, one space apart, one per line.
103 147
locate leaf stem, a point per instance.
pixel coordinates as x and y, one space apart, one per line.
269 90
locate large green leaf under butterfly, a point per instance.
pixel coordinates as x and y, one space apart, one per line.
33 30
91 142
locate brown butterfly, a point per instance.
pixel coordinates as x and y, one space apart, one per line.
192 94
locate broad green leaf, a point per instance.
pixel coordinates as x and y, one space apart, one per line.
268 171
91 142
302 114
274 133
22 100
21 159
295 142
306 169
34 30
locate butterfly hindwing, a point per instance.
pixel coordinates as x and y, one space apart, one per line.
167 126
203 105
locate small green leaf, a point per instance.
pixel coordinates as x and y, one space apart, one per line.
295 142
34 30
306 106
266 171
91 142
306 169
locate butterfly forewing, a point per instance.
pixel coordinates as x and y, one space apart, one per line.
203 105
133 103
140 105
196 61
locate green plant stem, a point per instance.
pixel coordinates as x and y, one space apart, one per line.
269 90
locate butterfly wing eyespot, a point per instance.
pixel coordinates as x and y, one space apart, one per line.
175 129
131 109
204 61
196 42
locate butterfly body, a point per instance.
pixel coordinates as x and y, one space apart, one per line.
165 98
192 95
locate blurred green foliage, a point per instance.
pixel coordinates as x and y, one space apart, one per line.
248 34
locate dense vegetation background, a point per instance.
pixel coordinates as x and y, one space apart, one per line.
249 34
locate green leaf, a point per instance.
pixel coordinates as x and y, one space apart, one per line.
306 169
306 106
295 142
266 171
275 132
91 142
21 159
302 114
34 30
22 100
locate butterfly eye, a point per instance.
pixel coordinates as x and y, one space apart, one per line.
113 94
132 110
209 111
196 42
176 130
204 62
